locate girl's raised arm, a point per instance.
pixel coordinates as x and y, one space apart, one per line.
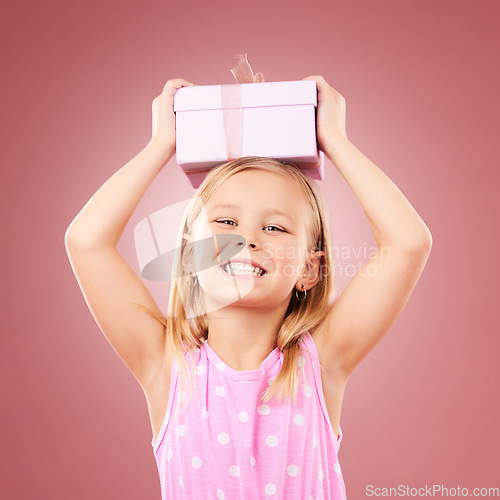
108 283
377 294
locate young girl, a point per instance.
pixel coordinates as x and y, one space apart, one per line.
245 377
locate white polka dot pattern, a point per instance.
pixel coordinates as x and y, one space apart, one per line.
298 419
263 409
271 441
270 489
223 438
220 391
228 436
234 470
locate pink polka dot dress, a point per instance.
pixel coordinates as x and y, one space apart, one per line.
227 445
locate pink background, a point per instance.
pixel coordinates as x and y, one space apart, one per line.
421 83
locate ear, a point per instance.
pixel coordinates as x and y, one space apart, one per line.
311 274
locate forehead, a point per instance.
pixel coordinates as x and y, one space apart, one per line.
261 190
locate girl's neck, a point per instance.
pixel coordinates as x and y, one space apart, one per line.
243 336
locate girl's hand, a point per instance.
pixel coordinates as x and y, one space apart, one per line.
330 117
163 135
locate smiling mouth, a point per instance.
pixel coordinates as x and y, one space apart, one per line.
235 268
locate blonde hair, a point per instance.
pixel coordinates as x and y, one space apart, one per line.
187 334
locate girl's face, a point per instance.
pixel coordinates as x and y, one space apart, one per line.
267 215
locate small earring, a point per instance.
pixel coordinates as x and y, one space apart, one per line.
305 294
192 283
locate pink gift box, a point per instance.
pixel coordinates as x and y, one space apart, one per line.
215 123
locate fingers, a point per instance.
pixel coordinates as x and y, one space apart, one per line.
323 85
176 83
318 78
320 81
314 77
171 88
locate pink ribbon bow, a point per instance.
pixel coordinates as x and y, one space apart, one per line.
232 106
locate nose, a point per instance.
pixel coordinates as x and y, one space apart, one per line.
246 242
249 238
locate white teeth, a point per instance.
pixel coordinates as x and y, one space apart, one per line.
239 268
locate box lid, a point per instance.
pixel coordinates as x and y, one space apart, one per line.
253 95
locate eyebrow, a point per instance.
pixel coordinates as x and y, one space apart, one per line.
270 211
